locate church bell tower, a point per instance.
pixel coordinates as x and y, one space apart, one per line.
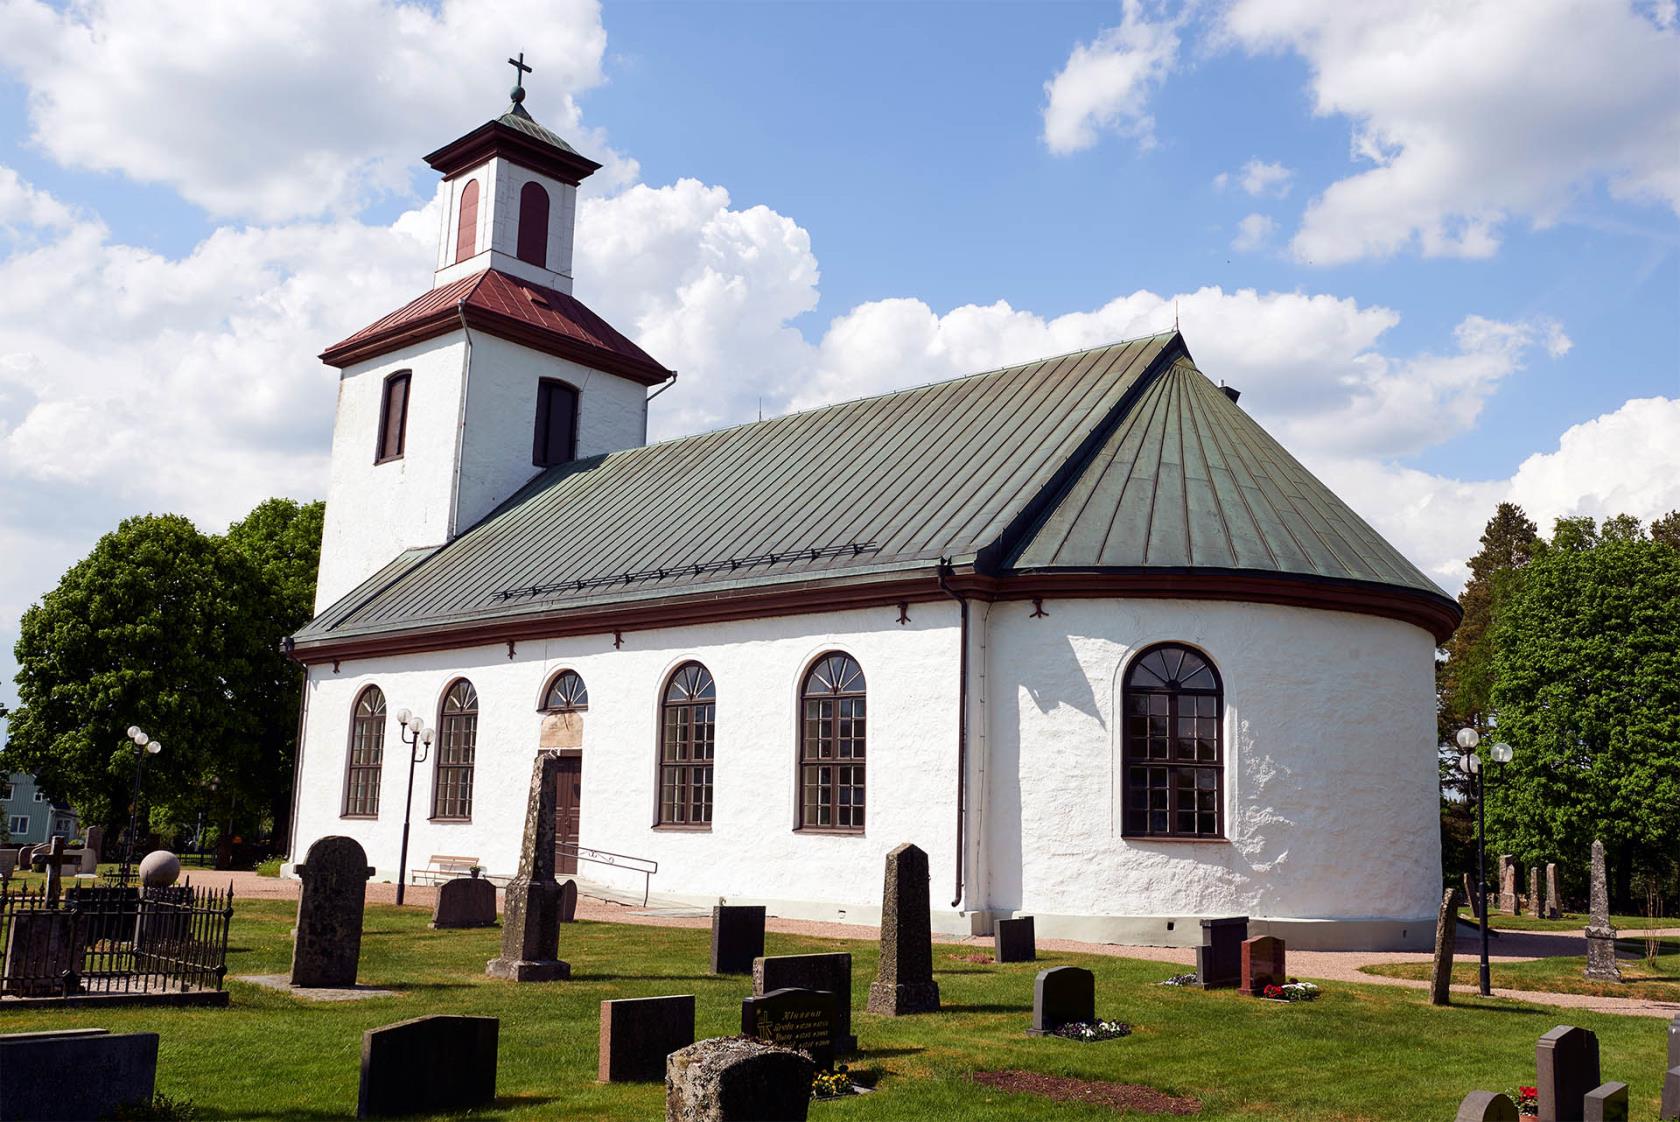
451 403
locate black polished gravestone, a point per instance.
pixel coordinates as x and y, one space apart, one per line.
804 1020
1486 1106
1607 1102
1565 1069
1063 995
1219 958
638 1033
428 1065
737 937
831 972
1013 940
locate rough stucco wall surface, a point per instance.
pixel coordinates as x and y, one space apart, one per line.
1330 781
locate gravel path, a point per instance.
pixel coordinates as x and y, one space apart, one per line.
1336 966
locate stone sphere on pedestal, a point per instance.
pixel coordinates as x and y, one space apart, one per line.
159 869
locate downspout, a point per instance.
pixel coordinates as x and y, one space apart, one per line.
460 423
942 572
668 383
287 644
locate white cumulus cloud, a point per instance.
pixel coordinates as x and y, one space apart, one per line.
1105 84
1253 232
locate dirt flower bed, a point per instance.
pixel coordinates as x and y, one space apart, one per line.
1063 1088
985 958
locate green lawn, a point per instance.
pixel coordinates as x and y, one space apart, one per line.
1360 1052
1657 979
1571 921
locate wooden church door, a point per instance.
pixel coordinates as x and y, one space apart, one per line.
568 791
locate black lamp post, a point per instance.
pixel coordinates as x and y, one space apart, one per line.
419 741
1472 764
143 746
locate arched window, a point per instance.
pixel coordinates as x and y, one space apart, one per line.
566 694
685 748
532 245
457 744
1172 753
366 756
466 227
831 745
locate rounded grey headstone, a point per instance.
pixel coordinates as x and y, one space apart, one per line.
159 869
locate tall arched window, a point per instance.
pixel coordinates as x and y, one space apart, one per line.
685 748
466 226
566 694
831 745
366 757
457 744
1172 755
532 244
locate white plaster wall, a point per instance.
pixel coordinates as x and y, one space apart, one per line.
752 851
1331 798
497 240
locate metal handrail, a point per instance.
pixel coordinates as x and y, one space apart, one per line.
647 866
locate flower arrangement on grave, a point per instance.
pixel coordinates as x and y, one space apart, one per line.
1527 1100
831 1084
1291 991
1181 980
1089 1032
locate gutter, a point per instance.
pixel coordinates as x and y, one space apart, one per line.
942 572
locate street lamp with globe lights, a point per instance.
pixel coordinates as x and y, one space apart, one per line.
418 738
144 746
1500 753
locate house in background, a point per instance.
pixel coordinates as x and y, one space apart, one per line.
31 815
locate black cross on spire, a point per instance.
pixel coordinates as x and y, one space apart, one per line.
519 72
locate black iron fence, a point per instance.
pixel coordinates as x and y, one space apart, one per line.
113 939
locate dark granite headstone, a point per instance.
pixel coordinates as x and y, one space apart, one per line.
1508 884
1263 964
1566 1068
637 1033
736 1079
737 937
1063 995
45 954
568 901
1219 958
830 972
1013 940
1601 937
531 906
804 1020
1671 1081
428 1065
904 979
1608 1102
1486 1106
465 902
1446 938
1554 903
75 1074
329 918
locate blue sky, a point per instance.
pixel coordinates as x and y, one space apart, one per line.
1458 284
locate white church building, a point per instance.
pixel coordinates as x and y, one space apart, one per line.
1079 628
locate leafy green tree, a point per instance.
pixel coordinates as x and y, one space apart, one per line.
1587 690
1465 678
1667 529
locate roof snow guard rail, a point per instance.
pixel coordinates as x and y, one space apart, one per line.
699 568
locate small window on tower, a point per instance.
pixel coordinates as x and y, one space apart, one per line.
393 418
466 229
533 225
556 437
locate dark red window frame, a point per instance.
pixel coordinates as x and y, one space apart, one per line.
457 750
833 740
554 440
687 748
1172 746
532 242
393 416
365 760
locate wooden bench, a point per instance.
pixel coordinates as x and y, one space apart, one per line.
442 867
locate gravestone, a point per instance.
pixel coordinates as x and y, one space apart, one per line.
637 1033
55 861
465 902
428 1065
1471 898
8 862
1608 1102
1534 890
1671 1081
89 866
329 917
1566 1068
1013 940
531 907
1219 958
904 979
1508 884
1063 995
1263 964
1446 937
737 937
568 901
1486 1106
737 1079
45 954
94 842
804 1020
1554 903
75 1074
1601 937
831 972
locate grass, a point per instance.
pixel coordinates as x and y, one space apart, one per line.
1360 1052
1571 921
1656 980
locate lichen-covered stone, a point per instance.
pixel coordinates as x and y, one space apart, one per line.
1601 937
904 979
1446 936
737 1079
329 922
531 910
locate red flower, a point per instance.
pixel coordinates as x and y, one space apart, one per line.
1272 991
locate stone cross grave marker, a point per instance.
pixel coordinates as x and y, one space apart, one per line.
428 1065
1219 958
55 860
1263 964
1534 890
734 1079
1063 995
804 1020
1608 1102
1486 1106
1554 903
465 902
904 980
329 917
46 1074
637 1033
830 972
1671 1080
1601 937
1566 1068
1446 938
1013 940
1508 884
737 937
531 905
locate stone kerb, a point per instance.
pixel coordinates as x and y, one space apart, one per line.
737 1079
329 919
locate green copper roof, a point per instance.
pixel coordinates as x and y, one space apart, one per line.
517 118
1124 456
